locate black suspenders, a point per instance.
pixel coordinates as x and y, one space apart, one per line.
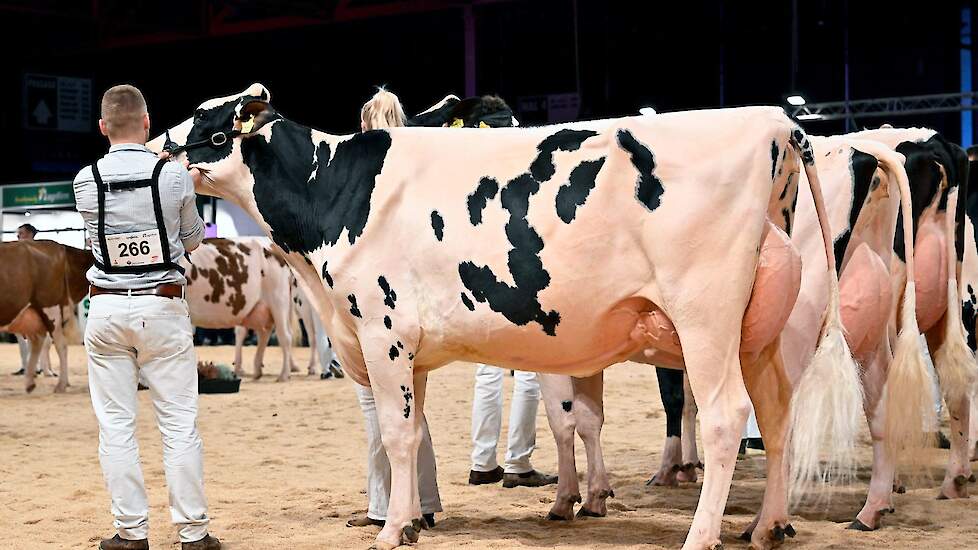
154 184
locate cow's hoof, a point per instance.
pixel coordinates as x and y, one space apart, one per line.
899 489
60 388
30 387
557 517
857 525
687 474
585 513
666 477
282 379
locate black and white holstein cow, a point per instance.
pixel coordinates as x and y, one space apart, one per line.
660 219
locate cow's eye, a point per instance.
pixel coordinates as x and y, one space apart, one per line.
198 114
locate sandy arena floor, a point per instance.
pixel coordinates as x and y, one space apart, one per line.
284 467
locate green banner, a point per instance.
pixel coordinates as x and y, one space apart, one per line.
38 195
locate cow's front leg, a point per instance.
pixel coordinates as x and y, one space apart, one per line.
398 413
973 438
558 399
589 411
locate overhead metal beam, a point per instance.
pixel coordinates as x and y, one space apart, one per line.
887 107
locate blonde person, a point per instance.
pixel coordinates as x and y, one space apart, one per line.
384 111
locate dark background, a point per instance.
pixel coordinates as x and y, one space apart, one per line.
321 58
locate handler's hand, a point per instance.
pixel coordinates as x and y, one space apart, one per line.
194 172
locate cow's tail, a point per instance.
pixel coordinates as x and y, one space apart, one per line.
954 360
827 404
909 393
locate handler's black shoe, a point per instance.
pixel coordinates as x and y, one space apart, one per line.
486 478
532 478
18 372
336 369
119 543
206 543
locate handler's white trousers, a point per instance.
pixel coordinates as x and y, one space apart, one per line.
379 467
487 420
147 338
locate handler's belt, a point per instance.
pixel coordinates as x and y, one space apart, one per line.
167 290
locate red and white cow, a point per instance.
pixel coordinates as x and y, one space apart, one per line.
42 281
242 283
660 219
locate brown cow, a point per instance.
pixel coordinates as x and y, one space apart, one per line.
42 281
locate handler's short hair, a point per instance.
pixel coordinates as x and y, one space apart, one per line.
123 108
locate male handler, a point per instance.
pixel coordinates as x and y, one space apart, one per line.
142 215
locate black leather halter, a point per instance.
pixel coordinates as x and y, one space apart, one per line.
218 139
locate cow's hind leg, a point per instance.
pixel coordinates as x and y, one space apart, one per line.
240 333
558 398
589 411
263 335
711 344
30 372
958 473
879 500
770 391
671 392
61 345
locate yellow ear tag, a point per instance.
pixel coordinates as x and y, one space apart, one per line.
483 124
248 125
457 123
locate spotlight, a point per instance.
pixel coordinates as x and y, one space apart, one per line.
795 100
646 111
810 116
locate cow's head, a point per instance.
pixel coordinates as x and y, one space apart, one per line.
214 135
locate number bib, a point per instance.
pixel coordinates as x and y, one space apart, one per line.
134 249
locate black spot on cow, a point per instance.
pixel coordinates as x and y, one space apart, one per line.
327 277
208 122
411 357
438 225
774 158
969 317
354 310
485 192
517 303
389 295
863 169
468 302
579 185
393 353
400 345
925 179
407 401
387 322
542 168
648 189
786 213
566 405
310 202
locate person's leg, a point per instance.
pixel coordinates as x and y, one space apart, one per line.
24 345
487 419
168 363
112 382
428 473
378 467
522 437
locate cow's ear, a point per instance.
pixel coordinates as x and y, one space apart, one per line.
252 115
